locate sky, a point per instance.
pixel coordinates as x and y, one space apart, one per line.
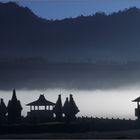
59 9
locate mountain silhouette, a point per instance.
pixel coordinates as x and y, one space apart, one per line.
96 52
99 36
21 30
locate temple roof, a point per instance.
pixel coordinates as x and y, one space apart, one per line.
136 100
41 102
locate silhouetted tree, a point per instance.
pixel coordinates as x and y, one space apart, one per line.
100 14
58 109
14 109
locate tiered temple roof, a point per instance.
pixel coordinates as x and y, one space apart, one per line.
41 102
136 100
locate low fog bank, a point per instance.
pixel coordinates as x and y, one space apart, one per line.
116 103
68 76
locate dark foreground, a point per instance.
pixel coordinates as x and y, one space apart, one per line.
81 128
125 134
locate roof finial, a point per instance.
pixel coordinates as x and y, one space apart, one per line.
14 97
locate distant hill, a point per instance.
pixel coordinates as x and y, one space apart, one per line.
29 44
97 37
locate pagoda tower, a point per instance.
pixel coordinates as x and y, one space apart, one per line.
58 109
3 111
14 109
137 110
70 109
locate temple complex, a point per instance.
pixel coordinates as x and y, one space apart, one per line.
41 110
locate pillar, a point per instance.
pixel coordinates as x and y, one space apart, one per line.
30 108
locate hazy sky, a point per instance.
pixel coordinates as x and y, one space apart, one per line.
58 9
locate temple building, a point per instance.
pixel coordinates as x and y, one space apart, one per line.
14 109
137 110
41 110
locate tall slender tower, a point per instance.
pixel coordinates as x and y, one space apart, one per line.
58 109
3 111
14 109
137 110
70 109
73 106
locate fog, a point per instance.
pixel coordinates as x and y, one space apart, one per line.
116 103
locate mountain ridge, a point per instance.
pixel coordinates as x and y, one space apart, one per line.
100 36
93 50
